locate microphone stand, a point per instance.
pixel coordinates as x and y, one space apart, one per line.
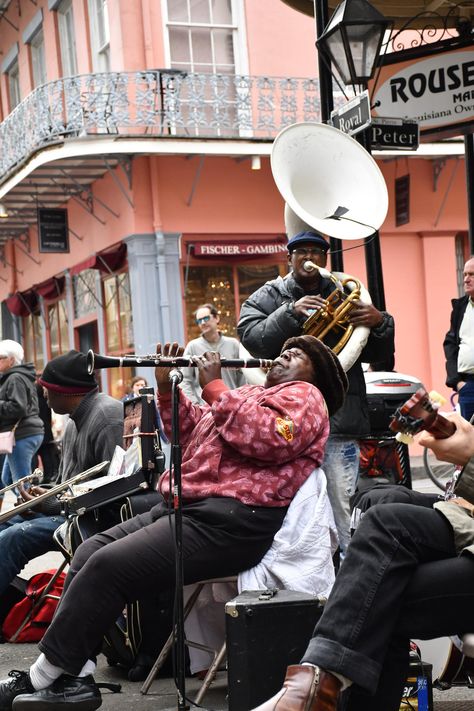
176 377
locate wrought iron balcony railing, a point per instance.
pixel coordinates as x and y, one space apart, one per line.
151 103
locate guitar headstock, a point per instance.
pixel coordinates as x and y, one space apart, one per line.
419 413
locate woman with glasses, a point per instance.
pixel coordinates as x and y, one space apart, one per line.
211 339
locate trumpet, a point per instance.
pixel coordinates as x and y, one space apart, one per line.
335 313
36 477
95 361
82 476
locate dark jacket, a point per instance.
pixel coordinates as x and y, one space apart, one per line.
451 341
19 401
267 319
93 431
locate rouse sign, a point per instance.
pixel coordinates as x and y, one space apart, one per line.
394 133
436 91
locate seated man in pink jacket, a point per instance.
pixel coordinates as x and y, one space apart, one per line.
245 454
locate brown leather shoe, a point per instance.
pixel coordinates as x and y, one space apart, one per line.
305 688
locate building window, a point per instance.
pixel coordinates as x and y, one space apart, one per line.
118 313
84 291
100 35
58 328
119 328
67 38
201 36
33 340
13 75
38 60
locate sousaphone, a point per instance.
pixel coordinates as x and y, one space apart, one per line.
331 184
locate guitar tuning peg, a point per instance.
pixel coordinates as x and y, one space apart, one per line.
436 398
404 437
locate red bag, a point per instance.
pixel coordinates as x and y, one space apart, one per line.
40 609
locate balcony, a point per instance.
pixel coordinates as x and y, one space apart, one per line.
151 104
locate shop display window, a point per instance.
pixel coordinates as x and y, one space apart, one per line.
119 328
58 328
33 340
85 293
226 287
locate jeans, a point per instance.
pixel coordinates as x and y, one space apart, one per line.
18 463
400 579
21 540
466 400
341 466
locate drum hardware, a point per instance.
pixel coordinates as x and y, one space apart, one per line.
36 477
26 505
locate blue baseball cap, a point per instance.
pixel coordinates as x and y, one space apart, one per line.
307 237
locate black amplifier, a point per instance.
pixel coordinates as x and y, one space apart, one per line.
265 633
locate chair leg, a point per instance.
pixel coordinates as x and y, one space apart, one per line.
169 642
211 674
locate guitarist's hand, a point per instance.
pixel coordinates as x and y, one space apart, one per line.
458 448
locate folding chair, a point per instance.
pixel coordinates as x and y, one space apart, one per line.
218 655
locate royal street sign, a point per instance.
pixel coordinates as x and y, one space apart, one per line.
353 116
390 133
436 91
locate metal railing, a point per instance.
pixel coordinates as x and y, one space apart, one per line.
155 103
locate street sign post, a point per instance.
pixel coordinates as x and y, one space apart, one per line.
393 133
353 116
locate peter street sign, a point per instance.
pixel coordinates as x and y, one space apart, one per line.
354 116
390 133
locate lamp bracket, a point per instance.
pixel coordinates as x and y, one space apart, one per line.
438 166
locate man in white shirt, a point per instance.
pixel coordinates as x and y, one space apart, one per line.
211 339
459 345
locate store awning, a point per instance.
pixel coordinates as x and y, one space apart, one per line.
107 261
51 288
23 303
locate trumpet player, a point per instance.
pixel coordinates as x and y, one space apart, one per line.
278 310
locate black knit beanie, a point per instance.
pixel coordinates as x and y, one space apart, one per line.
330 378
67 374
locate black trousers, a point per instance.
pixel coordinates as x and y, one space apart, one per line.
136 559
401 579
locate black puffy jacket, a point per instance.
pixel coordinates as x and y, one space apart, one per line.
267 319
19 401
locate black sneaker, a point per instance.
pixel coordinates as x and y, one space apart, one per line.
19 683
80 693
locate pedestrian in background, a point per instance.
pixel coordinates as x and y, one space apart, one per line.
136 384
19 409
459 344
211 339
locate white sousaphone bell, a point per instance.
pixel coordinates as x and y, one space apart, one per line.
331 184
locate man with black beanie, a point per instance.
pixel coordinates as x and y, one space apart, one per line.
94 428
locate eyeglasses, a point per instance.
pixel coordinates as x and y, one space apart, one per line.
312 251
204 319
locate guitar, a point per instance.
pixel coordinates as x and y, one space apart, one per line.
421 412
